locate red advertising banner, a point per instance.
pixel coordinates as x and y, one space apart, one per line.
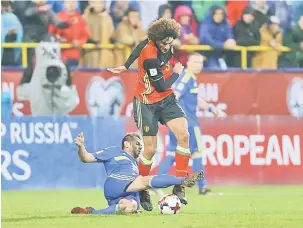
234 93
246 150
238 149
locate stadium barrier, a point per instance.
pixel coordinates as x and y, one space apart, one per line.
233 93
242 49
38 152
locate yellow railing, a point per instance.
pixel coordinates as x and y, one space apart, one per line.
25 46
243 50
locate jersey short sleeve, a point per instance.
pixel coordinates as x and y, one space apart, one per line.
149 52
107 153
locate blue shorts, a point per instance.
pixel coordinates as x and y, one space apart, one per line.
195 137
115 190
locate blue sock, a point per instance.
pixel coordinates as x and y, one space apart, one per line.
164 181
106 211
165 164
196 167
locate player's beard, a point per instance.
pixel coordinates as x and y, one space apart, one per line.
136 152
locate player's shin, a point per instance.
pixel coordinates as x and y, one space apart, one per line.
144 166
165 164
182 157
164 181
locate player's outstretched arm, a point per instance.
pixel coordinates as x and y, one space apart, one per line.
135 53
206 106
133 56
83 154
154 72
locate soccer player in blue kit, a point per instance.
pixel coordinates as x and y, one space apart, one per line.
123 182
186 91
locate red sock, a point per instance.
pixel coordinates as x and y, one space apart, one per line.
181 161
144 168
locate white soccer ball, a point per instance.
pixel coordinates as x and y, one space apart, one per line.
169 204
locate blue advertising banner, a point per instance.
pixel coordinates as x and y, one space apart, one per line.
39 152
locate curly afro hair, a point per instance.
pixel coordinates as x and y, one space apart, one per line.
163 28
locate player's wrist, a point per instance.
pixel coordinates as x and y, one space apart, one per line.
210 109
81 146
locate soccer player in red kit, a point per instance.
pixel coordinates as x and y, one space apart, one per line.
154 100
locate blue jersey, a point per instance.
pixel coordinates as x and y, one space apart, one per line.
118 164
187 87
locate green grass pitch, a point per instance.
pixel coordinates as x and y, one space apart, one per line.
255 206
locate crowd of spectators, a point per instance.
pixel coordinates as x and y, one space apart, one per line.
222 25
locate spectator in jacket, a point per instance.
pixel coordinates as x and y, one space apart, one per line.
262 12
11 31
293 38
35 16
118 10
216 32
101 28
77 34
164 11
246 33
129 32
185 17
234 10
271 36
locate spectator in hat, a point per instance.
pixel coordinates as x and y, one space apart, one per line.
216 32
185 17
262 12
164 11
246 33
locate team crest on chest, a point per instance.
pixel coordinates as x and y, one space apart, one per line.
167 66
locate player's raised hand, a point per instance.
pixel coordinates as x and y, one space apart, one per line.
178 68
117 70
79 140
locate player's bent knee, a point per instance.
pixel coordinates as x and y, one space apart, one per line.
128 206
182 135
139 184
122 204
131 206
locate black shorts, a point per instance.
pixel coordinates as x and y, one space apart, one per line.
147 116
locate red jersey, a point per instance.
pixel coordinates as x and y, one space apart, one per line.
144 90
